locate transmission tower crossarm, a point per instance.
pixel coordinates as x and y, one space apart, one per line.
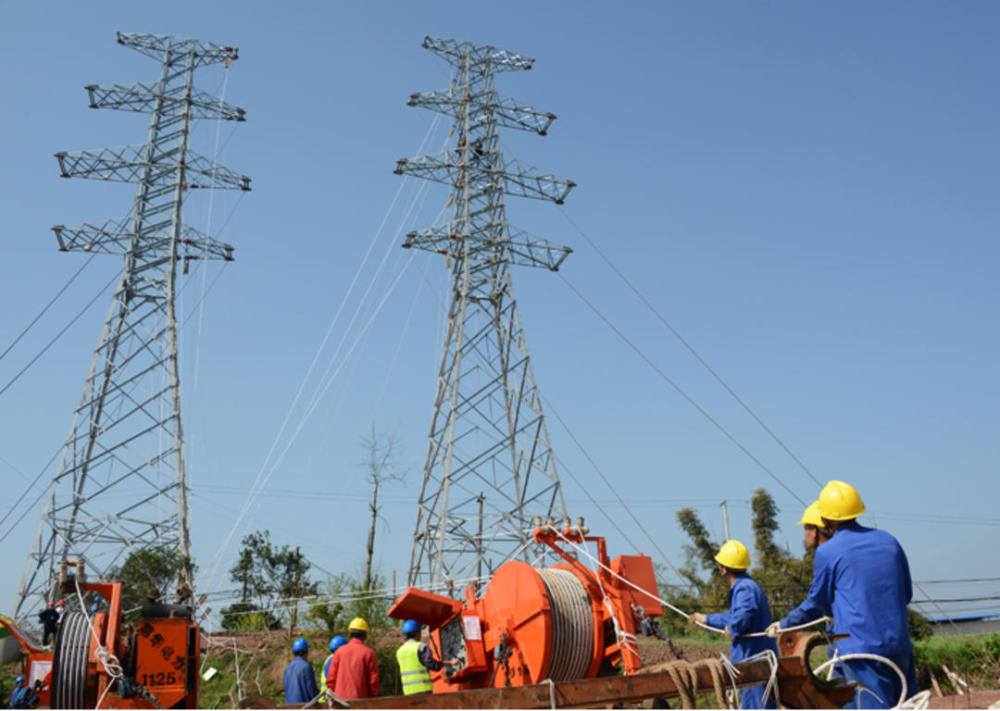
142 98
521 179
160 46
121 481
508 112
456 52
127 164
524 248
113 237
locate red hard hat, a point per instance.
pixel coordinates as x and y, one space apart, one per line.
52 604
62 602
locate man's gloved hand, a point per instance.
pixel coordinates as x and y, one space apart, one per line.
773 629
697 618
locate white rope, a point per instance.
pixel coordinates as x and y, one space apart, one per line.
552 692
920 700
772 682
108 660
674 608
803 626
871 657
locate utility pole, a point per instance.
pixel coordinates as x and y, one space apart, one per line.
120 482
725 518
487 429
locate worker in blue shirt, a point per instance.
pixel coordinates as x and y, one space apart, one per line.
748 613
862 579
23 696
300 679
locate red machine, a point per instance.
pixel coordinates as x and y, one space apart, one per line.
154 662
562 623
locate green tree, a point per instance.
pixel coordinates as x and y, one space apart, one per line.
711 592
765 523
157 572
272 582
330 611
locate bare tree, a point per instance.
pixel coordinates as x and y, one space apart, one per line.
382 467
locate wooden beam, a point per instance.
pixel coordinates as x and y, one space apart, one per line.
565 694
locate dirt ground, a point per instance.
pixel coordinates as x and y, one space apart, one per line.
976 699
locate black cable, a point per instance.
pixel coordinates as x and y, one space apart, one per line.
27 491
59 335
613 491
680 391
47 306
691 349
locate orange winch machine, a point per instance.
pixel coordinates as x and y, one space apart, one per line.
157 656
562 623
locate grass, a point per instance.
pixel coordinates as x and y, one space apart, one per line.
975 658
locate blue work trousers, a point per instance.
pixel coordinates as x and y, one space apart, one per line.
752 697
879 686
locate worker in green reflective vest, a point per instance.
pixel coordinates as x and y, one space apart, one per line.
416 662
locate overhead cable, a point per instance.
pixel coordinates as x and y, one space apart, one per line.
59 335
690 348
48 305
612 488
680 391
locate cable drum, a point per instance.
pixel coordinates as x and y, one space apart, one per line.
572 625
69 662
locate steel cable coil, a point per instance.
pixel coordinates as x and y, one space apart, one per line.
69 662
572 625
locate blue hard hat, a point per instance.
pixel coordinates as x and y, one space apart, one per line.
337 642
411 626
18 680
300 645
98 598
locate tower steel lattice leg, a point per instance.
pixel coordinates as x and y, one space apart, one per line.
489 467
120 482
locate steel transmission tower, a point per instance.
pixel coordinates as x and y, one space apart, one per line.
489 467
120 481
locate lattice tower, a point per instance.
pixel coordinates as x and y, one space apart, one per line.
490 468
120 481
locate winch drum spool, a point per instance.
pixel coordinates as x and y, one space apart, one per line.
69 662
572 624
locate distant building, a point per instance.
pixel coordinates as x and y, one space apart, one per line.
979 623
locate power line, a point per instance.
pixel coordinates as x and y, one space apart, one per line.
691 349
680 391
59 335
46 307
612 488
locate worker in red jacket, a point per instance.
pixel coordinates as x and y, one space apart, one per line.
353 670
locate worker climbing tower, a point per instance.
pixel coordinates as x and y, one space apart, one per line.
490 468
120 482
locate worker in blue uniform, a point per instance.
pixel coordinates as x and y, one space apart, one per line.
23 696
300 679
748 613
862 579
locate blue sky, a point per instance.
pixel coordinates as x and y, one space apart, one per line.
805 191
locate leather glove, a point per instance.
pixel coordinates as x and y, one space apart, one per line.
698 618
773 629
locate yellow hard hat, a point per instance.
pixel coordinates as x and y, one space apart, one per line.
811 517
357 625
839 501
733 554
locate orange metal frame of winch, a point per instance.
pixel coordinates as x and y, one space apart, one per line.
160 653
507 635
